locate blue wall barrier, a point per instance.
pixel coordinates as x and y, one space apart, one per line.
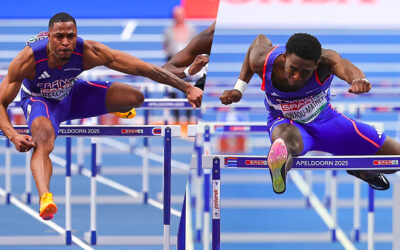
88 8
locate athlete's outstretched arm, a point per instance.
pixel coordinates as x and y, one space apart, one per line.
346 71
96 54
252 63
192 54
21 67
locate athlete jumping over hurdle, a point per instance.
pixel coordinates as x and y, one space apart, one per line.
296 79
47 69
191 62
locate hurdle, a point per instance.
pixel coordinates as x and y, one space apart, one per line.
330 176
202 132
218 162
167 132
256 128
148 105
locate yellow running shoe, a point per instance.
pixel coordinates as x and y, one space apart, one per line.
126 115
47 206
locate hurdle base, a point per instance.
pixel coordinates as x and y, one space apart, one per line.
246 237
267 237
133 240
355 235
91 237
32 240
27 198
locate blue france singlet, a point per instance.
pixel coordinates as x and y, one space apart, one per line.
303 105
52 83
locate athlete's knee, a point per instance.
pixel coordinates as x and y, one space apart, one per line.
43 134
291 135
389 147
130 96
138 98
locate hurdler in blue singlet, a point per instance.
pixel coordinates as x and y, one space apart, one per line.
322 128
56 93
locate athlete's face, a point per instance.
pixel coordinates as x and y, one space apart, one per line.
62 39
298 70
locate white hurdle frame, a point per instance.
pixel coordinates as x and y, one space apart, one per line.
382 162
332 199
93 131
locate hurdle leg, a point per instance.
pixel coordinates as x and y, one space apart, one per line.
308 179
327 198
68 234
80 153
167 188
370 218
91 236
192 191
334 204
396 215
28 180
198 185
8 171
206 217
206 194
98 155
357 208
145 167
216 209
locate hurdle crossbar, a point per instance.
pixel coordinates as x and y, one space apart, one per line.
107 130
148 104
381 162
217 162
94 131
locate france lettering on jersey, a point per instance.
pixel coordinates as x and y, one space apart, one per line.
52 83
302 106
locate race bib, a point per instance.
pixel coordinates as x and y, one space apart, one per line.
302 110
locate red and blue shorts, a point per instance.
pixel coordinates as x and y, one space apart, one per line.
335 133
86 99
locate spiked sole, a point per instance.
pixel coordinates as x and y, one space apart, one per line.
49 211
277 157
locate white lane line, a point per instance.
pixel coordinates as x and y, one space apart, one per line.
128 30
50 224
85 172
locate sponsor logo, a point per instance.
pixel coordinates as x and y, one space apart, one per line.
296 105
386 162
216 200
156 131
256 162
239 128
131 131
44 75
22 131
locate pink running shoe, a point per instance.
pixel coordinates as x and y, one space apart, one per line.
277 157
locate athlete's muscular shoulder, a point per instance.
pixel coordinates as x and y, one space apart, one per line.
96 54
259 50
329 58
22 66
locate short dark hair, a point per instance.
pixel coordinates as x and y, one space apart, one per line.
61 17
305 46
